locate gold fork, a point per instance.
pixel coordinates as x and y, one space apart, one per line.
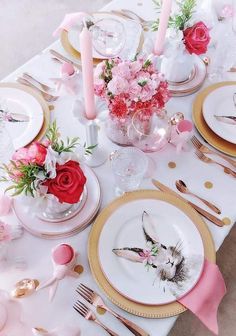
90 316
204 149
206 159
93 298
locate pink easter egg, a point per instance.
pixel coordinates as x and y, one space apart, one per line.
67 69
63 254
5 204
184 126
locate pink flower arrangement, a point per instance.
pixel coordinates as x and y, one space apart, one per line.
50 167
130 85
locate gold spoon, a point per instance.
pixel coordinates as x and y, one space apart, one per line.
181 186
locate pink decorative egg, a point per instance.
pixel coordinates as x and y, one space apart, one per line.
67 69
5 204
63 254
184 126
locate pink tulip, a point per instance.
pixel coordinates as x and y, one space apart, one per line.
37 153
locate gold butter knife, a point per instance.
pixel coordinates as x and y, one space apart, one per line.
202 212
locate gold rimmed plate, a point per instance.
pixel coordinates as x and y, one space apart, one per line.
201 125
149 311
40 100
70 40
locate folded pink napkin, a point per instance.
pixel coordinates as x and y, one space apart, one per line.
69 21
205 297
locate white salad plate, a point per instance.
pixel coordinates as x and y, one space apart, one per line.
220 103
23 106
51 230
138 228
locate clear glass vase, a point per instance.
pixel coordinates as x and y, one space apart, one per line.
117 130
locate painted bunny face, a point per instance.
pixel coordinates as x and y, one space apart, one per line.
169 262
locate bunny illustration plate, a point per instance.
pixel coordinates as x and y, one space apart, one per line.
150 251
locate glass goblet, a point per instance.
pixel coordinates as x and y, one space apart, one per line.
108 37
149 130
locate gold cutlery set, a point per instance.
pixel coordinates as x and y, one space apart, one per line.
201 150
95 300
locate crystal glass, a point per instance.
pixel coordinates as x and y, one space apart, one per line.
149 130
108 37
129 166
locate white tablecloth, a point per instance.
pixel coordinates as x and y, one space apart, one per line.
37 309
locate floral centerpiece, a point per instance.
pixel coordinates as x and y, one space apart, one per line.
186 36
128 86
48 172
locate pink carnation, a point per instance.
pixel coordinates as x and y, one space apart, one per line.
37 153
118 85
122 70
21 155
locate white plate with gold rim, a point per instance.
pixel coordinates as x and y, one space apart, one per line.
21 104
220 102
52 230
151 252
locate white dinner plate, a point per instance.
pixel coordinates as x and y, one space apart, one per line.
220 102
133 32
22 104
49 230
179 259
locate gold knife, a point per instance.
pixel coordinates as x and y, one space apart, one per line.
202 212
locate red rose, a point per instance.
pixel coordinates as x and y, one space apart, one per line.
197 38
68 184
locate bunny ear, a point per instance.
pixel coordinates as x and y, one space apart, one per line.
129 253
149 229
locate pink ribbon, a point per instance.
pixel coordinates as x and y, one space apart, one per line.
204 299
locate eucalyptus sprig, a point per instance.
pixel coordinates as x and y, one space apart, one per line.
180 20
57 144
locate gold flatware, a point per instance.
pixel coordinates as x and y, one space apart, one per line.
202 212
128 14
90 316
48 97
204 149
61 57
181 186
93 298
206 159
44 87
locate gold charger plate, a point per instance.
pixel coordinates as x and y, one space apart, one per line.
75 53
202 127
41 101
124 303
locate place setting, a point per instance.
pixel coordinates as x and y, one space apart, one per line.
112 193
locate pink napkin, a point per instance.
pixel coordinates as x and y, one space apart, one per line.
70 20
205 297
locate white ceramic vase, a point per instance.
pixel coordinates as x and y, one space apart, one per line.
177 68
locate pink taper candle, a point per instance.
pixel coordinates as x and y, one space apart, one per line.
163 24
86 50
